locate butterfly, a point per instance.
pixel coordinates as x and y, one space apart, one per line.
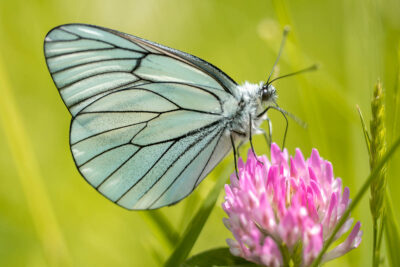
148 122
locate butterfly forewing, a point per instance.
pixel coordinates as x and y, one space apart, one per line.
149 122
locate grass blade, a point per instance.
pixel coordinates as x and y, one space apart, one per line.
160 225
392 229
392 234
357 198
365 131
217 257
44 219
396 93
195 226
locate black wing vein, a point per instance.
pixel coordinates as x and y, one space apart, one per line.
190 162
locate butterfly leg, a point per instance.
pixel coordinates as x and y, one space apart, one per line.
241 135
268 137
238 147
251 140
283 112
234 156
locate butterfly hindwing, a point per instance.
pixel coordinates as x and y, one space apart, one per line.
148 121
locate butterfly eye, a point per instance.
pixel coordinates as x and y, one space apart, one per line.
267 92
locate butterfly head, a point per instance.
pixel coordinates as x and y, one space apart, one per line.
268 93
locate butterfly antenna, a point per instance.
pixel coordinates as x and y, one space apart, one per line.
286 30
311 68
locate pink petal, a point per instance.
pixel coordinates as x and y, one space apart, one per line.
351 242
299 160
315 160
293 170
328 172
271 255
297 202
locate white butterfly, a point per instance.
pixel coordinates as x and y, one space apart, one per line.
148 122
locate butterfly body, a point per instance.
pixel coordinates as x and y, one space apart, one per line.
252 102
148 122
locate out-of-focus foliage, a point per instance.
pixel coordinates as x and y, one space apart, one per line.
217 257
355 42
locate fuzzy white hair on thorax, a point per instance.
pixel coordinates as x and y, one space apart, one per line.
249 106
249 91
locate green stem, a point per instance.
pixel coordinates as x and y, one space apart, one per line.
375 263
285 254
380 235
357 199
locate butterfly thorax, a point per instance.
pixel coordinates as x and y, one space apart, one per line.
252 102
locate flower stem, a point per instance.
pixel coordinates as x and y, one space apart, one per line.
375 252
381 230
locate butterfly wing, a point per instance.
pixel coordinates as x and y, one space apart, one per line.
149 122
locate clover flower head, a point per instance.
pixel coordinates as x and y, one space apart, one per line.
283 209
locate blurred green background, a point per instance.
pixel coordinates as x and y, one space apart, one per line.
49 216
